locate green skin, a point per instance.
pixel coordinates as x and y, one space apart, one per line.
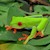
37 24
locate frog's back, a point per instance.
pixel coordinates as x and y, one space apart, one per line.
26 19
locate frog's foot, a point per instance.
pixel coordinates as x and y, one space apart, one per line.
14 30
39 34
23 38
8 28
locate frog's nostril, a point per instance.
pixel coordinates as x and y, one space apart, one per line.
19 23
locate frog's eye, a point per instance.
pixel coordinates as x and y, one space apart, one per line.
19 23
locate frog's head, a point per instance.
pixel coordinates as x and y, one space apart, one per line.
17 22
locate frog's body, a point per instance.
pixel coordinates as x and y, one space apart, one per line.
28 22
37 24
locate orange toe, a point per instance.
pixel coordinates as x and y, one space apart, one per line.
38 34
8 28
14 31
25 35
23 38
20 39
42 35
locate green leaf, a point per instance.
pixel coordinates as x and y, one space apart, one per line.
14 46
47 47
4 46
40 9
47 29
3 15
22 47
6 1
42 41
25 6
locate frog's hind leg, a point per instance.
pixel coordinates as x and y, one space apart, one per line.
33 32
24 37
39 33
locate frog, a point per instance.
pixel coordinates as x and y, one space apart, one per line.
38 26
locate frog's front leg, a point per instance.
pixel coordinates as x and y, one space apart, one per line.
14 30
33 32
9 28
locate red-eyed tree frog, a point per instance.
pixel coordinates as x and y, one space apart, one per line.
37 24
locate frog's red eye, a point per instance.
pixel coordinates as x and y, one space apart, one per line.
19 23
